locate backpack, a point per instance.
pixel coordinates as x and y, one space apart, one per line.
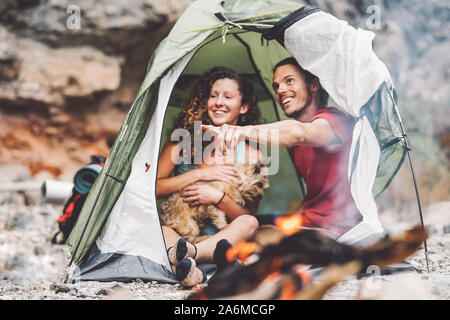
74 204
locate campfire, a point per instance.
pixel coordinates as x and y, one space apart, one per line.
276 263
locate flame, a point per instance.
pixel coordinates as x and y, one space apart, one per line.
241 251
289 224
288 290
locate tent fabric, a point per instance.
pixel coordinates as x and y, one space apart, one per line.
105 189
118 228
133 225
198 23
340 56
385 120
112 266
365 151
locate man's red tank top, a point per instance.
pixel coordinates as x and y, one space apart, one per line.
328 202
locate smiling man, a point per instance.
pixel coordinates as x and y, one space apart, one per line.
319 138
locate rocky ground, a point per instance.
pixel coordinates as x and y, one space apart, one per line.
31 268
409 285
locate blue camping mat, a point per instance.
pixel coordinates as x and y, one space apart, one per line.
85 177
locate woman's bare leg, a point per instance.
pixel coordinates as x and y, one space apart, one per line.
170 238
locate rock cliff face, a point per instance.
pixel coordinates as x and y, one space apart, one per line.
69 69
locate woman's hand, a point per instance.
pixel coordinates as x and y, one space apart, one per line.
203 194
218 172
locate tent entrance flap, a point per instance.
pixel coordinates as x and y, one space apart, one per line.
133 226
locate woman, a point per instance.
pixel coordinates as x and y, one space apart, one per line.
220 97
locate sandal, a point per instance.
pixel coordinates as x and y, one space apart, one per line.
182 249
188 274
219 255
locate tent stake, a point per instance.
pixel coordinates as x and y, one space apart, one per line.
416 188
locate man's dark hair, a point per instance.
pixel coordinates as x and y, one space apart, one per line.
309 77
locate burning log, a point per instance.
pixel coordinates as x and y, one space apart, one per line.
286 287
309 247
328 279
269 289
266 235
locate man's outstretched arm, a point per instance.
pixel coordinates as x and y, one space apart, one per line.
285 133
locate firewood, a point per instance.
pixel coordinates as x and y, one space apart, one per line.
267 290
285 287
266 235
331 276
312 248
390 250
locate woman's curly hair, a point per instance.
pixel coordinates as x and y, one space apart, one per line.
196 109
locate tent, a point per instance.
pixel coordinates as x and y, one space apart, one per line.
118 236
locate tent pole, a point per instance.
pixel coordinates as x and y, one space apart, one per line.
416 188
417 197
66 272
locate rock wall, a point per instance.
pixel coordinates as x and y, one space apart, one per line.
69 71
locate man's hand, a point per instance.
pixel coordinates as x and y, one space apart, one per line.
226 138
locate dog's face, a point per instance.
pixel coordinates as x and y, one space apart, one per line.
253 180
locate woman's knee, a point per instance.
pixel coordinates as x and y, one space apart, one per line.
247 223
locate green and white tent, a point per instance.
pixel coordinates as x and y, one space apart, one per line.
118 235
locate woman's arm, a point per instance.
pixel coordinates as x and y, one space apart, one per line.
230 207
207 194
234 210
167 185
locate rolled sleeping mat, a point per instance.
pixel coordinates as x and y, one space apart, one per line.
85 177
53 191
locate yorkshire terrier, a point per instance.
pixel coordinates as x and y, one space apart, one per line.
188 221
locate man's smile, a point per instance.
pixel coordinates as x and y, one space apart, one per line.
286 100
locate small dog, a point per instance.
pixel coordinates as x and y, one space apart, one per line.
188 221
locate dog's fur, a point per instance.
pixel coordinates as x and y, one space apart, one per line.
188 221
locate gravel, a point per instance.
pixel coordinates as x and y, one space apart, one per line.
31 268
